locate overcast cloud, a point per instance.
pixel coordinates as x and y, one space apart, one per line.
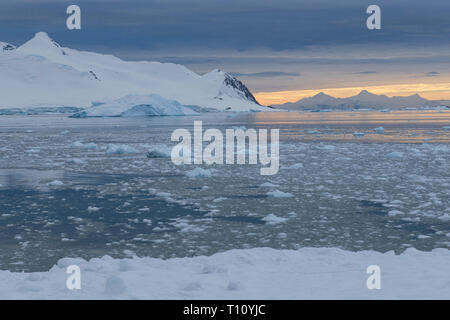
260 40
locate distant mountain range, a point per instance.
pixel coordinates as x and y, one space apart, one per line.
363 100
41 72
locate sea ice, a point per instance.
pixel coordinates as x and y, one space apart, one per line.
89 146
159 151
395 155
279 194
120 149
238 274
273 219
55 183
199 173
357 134
295 166
268 185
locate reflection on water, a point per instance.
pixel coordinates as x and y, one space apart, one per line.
409 126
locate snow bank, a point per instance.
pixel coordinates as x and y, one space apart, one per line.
263 273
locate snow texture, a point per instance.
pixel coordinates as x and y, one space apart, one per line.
261 273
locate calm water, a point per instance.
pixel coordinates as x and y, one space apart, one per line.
58 199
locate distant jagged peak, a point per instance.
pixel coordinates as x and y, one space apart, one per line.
322 95
364 99
417 96
42 43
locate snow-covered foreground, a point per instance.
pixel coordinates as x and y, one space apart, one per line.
261 273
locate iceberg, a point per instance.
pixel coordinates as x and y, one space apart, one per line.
137 106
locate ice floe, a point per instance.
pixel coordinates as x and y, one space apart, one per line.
120 149
395 155
279 194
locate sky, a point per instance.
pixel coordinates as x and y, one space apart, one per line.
283 50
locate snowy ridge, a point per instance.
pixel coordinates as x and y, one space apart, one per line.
308 273
54 75
362 100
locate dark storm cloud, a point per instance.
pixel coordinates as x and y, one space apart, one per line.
231 24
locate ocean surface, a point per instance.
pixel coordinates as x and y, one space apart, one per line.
66 192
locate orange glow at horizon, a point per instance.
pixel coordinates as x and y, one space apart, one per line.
430 91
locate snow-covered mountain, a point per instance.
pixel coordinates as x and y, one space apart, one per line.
364 100
43 73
